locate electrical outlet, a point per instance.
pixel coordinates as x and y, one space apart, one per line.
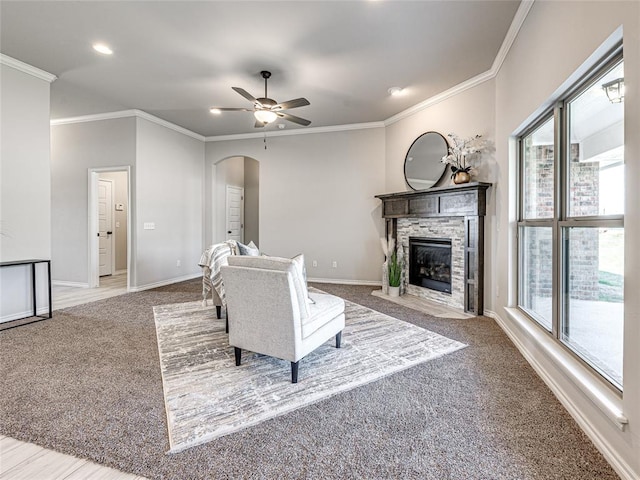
178 263
314 263
334 264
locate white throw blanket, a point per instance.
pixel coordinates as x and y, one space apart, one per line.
212 259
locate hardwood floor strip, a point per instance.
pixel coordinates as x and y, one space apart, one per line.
110 286
16 456
45 464
26 461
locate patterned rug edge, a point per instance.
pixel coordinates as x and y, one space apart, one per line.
292 408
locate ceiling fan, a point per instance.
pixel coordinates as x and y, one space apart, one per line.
265 109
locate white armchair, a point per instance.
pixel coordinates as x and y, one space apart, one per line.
270 311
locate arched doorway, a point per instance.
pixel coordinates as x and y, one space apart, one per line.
239 175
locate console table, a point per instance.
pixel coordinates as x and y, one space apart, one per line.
467 200
34 291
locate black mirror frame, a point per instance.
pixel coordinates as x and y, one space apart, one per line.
444 169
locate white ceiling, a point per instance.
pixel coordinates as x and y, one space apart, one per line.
176 59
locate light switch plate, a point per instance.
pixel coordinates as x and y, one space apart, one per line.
149 226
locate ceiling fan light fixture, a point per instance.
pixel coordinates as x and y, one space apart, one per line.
265 116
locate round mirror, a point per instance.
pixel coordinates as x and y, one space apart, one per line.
423 166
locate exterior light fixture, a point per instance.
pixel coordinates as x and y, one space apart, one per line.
265 116
614 90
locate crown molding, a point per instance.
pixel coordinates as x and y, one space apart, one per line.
94 117
298 131
510 37
124 114
26 68
461 87
172 126
512 33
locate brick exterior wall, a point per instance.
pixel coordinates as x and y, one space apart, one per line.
450 227
584 243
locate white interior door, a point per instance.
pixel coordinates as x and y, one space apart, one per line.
105 227
235 213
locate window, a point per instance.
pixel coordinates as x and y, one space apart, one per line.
571 221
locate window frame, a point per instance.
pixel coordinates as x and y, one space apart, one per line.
561 222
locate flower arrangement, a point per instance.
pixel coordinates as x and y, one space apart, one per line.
395 266
460 149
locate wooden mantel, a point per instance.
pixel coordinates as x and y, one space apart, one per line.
469 201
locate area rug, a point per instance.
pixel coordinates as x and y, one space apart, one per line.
207 396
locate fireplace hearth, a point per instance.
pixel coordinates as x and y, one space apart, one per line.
430 263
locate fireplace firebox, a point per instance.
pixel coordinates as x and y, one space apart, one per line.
430 263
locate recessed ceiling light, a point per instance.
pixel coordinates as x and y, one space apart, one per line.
216 111
395 91
102 48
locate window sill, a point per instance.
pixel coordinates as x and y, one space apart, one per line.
603 397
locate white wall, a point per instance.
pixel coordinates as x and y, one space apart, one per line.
553 45
75 148
251 201
466 114
317 198
25 219
169 193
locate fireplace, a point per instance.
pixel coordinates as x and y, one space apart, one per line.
430 263
452 212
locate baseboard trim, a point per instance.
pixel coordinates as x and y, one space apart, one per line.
342 281
62 283
25 314
163 283
621 467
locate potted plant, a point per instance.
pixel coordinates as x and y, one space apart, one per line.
395 273
458 151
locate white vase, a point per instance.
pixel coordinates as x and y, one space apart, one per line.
385 278
394 291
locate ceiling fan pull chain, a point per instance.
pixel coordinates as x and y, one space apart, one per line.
265 140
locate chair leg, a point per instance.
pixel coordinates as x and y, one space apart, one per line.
238 353
294 371
338 339
219 311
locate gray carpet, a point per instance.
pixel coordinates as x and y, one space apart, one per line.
208 396
88 383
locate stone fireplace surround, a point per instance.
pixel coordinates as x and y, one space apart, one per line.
455 212
450 227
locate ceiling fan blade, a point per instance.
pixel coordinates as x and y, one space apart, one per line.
294 119
298 102
223 109
245 94
259 124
